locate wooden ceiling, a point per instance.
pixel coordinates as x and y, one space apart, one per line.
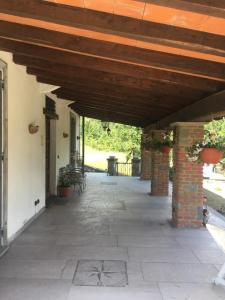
129 61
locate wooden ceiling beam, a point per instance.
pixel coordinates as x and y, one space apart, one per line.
107 50
110 118
117 97
205 110
147 31
89 78
142 109
104 113
51 57
116 110
107 76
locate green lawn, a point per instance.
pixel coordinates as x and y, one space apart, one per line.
98 159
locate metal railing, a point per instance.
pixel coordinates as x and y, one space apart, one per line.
123 169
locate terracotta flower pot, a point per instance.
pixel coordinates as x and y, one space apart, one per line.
165 149
211 155
65 191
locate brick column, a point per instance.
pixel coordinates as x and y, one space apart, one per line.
146 161
188 177
159 169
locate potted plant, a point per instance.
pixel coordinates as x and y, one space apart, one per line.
163 144
64 185
210 150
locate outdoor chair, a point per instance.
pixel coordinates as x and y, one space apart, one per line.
77 177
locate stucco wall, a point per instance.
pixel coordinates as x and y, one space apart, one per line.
26 152
63 126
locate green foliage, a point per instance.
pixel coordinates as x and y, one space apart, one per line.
214 137
122 138
150 142
64 180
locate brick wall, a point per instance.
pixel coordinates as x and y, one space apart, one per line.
159 171
145 164
188 178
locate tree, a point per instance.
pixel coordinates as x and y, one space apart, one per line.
122 138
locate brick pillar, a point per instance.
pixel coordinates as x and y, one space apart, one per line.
159 169
188 177
146 161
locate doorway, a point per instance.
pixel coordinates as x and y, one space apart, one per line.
3 207
50 154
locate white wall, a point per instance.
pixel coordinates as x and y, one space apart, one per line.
26 152
63 126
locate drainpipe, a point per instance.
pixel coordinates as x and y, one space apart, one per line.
83 141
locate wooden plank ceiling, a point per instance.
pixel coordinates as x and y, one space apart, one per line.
129 61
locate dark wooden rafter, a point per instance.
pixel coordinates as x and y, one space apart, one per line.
132 103
112 109
203 110
139 79
119 25
116 96
118 68
142 110
71 85
108 50
111 118
109 115
81 76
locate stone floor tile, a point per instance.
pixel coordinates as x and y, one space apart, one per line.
33 289
31 252
210 256
191 291
99 253
102 224
105 293
52 269
166 255
197 243
85 240
159 272
146 241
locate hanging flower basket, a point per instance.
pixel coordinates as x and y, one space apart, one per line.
210 151
165 149
210 155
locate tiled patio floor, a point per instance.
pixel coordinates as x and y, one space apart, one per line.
114 219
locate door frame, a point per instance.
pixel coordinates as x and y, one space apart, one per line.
73 139
50 149
3 157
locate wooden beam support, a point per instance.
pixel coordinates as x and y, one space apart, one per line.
110 118
86 78
71 84
51 57
147 31
142 111
143 81
116 110
118 97
108 115
204 110
106 50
